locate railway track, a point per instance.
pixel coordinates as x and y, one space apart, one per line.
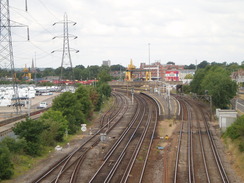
215 171
127 159
66 169
197 157
7 125
125 153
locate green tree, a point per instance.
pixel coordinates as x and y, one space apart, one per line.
93 71
104 89
203 64
56 127
232 67
191 66
82 96
104 76
220 86
15 145
48 72
117 67
78 73
95 97
196 82
170 63
216 80
84 74
6 166
186 88
30 130
80 67
4 73
189 76
71 109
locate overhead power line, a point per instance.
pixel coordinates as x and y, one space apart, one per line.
6 46
66 56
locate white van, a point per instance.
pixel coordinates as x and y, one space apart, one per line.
42 105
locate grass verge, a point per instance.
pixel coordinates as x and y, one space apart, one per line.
235 156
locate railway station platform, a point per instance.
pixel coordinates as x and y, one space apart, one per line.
170 108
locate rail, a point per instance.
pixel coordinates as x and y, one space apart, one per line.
23 116
160 114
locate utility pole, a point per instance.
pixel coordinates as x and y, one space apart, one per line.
168 100
6 46
211 105
132 95
29 102
35 70
66 56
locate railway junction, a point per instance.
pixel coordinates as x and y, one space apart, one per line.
145 136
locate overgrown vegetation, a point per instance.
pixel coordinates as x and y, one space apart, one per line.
68 112
236 132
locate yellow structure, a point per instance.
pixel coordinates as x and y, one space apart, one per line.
148 76
131 68
27 74
166 137
128 73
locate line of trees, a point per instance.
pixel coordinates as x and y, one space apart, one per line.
68 112
231 66
215 81
79 72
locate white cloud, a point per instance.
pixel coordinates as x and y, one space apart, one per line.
179 31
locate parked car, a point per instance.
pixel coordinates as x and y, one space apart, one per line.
17 104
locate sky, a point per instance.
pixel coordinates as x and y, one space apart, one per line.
182 31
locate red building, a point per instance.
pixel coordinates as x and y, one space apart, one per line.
159 71
172 76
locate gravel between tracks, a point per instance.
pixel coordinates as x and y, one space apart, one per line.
157 158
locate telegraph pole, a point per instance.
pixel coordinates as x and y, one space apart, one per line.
66 56
6 46
132 95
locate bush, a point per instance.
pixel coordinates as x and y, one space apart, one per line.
186 88
30 130
56 127
232 132
6 167
236 131
33 149
14 145
241 146
71 108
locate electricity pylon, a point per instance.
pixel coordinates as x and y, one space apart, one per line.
6 47
66 56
